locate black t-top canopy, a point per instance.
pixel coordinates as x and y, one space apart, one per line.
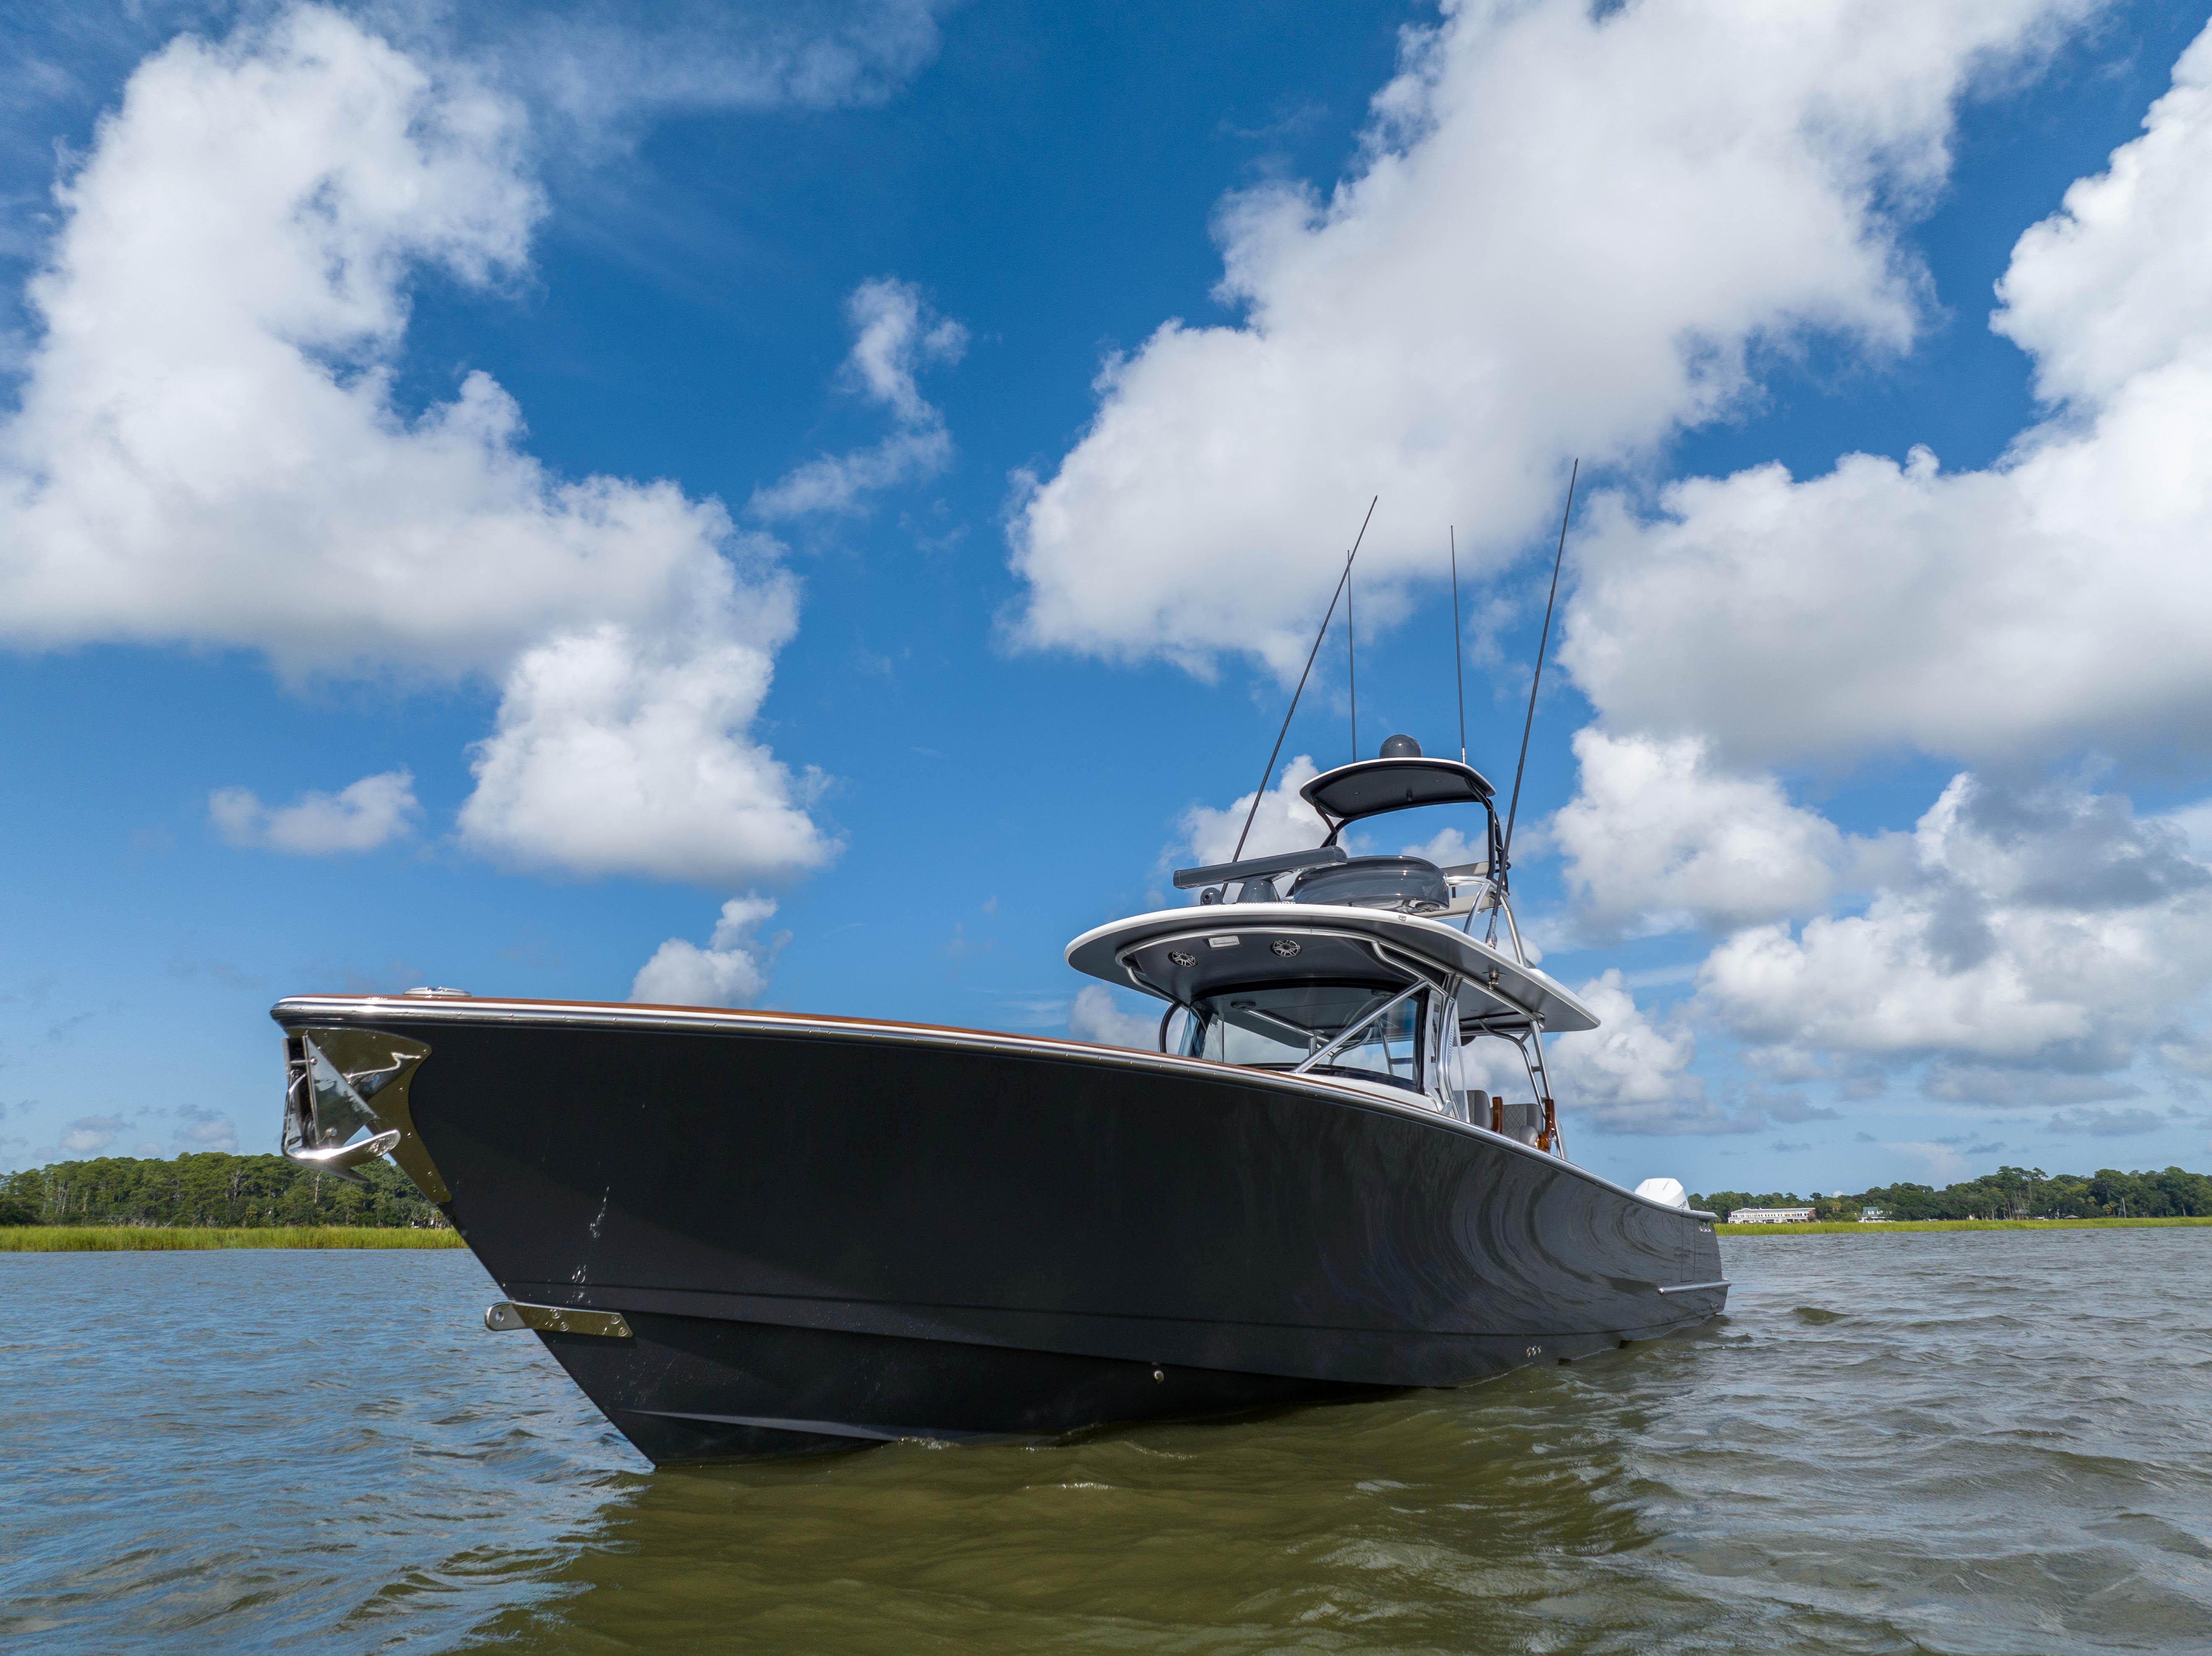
1369 787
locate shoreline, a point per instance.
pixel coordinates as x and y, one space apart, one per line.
161 1238
1891 1227
164 1238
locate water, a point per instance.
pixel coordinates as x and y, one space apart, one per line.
1993 1442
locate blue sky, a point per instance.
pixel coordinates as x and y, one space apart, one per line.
937 590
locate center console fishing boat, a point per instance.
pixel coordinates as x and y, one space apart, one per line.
747 1233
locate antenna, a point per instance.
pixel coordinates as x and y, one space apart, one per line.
1276 751
1459 673
1506 855
1351 662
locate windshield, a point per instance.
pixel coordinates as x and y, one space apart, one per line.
1280 1026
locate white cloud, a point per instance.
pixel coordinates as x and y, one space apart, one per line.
1941 1163
91 1134
2014 1088
1284 821
2058 599
217 308
896 332
594 71
1631 1075
2035 945
2109 1123
1096 1016
2046 925
2194 823
730 971
360 817
1449 847
201 1129
604 67
1569 228
620 754
2187 1051
1658 838
208 449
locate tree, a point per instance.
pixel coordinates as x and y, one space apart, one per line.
212 1188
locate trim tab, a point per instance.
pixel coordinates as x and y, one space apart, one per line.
502 1315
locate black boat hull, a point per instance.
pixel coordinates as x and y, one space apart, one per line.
822 1233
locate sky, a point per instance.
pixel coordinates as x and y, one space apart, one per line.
815 505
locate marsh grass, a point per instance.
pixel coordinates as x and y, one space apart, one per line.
80 1238
121 1239
1888 1227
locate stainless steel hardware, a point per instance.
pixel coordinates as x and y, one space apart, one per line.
340 1082
505 1314
336 1158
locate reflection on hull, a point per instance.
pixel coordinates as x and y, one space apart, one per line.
702 1388
825 1232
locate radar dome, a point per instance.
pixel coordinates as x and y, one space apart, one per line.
1401 747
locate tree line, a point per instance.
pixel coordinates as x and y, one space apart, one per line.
2007 1194
211 1188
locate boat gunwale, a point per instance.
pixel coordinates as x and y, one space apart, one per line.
625 1015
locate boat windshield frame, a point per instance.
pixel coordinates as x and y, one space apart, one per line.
1210 1013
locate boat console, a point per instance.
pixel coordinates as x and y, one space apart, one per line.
1315 962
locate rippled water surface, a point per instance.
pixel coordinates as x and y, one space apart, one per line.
1981 1443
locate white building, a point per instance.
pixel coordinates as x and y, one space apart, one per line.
1771 1216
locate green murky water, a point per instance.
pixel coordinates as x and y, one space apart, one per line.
1974 1443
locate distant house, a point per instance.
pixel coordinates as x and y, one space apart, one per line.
1873 1215
1771 1216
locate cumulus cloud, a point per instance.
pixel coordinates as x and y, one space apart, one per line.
1284 821
1631 1075
1096 1016
91 1134
730 971
1449 847
208 451
2032 945
1940 1163
217 308
620 754
1658 837
201 1129
2059 598
367 814
1568 229
894 334
2044 925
